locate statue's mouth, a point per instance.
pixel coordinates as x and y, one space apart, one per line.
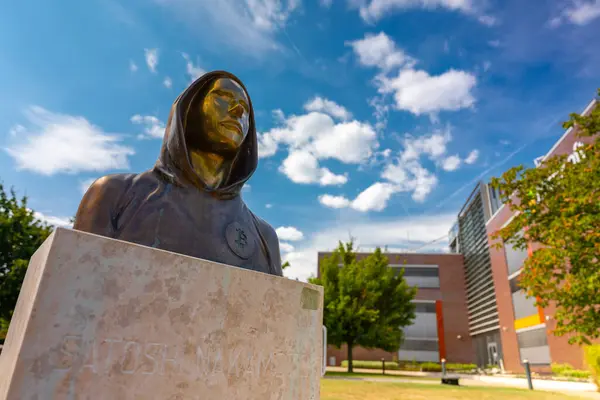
232 125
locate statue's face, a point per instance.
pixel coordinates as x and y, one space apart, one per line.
225 114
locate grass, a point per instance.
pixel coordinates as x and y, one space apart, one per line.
378 374
332 389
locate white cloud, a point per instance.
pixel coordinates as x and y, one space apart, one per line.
56 143
289 233
374 198
316 136
62 222
410 177
403 173
380 51
349 142
302 167
248 26
132 66
494 43
406 171
413 90
420 93
85 185
451 163
380 111
168 82
334 201
151 56
486 66
578 12
153 127
402 234
268 205
487 20
193 71
472 157
329 107
433 145
285 247
373 10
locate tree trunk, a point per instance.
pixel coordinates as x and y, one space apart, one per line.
350 345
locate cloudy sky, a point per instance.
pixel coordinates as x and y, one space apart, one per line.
376 117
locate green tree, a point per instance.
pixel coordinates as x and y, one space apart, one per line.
21 233
366 303
557 206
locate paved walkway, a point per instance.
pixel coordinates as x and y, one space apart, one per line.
580 389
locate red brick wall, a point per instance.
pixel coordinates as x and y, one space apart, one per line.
560 350
454 309
451 293
506 316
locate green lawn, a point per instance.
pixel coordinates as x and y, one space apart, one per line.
378 374
336 389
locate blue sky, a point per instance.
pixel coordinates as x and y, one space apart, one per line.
376 117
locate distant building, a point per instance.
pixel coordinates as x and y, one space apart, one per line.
526 330
469 238
440 329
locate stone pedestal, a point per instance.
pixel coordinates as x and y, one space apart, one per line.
104 319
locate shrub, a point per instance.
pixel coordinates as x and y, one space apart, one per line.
371 364
568 371
592 358
431 367
460 367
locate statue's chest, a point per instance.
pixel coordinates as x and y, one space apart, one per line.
202 227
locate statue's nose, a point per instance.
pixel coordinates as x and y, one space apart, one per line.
236 110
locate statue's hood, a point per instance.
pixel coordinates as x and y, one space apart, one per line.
174 161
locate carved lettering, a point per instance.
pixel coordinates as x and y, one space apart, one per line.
130 357
110 352
148 355
166 360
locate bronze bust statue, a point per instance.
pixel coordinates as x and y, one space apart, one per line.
189 202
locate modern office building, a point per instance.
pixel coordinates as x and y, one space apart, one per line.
440 329
469 238
526 330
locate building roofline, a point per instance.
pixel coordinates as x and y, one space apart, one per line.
401 254
469 199
587 109
585 112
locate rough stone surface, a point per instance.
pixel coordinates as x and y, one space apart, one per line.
104 319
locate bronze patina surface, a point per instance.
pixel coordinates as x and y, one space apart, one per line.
190 202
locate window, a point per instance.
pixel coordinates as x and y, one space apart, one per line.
426 276
514 257
533 346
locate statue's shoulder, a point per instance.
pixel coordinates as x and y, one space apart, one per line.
111 186
266 229
272 243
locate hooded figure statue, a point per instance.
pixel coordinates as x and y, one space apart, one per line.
190 202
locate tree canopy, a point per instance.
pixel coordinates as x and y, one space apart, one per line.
557 206
21 233
366 303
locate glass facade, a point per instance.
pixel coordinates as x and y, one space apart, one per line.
421 338
421 276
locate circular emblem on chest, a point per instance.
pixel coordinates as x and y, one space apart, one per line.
240 240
